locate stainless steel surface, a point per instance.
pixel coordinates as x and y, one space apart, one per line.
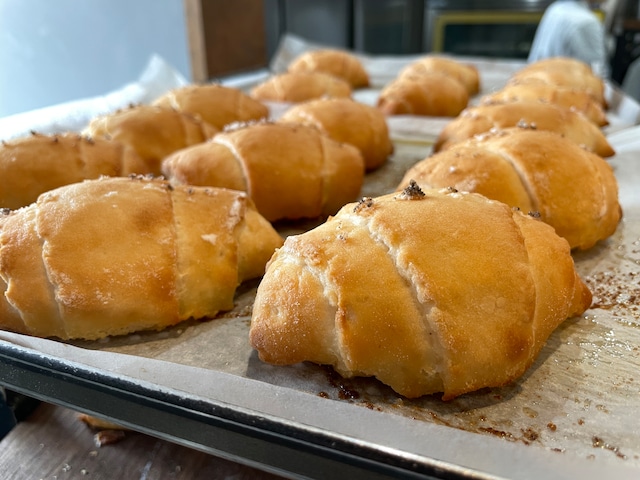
482 28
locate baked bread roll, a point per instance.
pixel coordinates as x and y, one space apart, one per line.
345 120
334 62
569 65
116 255
216 104
431 95
566 72
536 115
465 73
295 87
430 291
37 163
153 132
572 189
290 171
571 98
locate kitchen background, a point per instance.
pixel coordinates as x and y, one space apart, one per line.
52 52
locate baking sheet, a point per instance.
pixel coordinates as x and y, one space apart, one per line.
573 413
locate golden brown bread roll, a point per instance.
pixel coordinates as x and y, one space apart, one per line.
566 72
348 121
216 104
567 97
290 171
153 132
537 115
430 291
433 95
465 73
295 87
573 190
334 62
37 163
116 255
569 65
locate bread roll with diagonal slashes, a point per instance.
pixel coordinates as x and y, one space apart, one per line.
566 72
37 163
432 94
290 171
337 63
295 87
345 120
428 291
536 115
466 74
571 98
572 189
218 105
152 131
117 255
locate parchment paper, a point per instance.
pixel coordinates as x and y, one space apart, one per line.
579 401
581 397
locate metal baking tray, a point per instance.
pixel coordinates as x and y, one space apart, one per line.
572 415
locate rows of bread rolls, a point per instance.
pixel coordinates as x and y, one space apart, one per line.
165 249
537 154
309 162
375 290
455 281
345 139
139 139
433 86
559 95
315 74
93 242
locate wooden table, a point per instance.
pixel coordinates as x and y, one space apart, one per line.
53 443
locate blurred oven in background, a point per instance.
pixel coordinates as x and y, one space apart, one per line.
486 28
387 27
242 35
373 26
489 28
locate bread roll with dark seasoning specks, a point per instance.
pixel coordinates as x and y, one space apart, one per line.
572 189
536 115
118 255
37 163
428 291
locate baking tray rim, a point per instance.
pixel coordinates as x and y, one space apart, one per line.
281 436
